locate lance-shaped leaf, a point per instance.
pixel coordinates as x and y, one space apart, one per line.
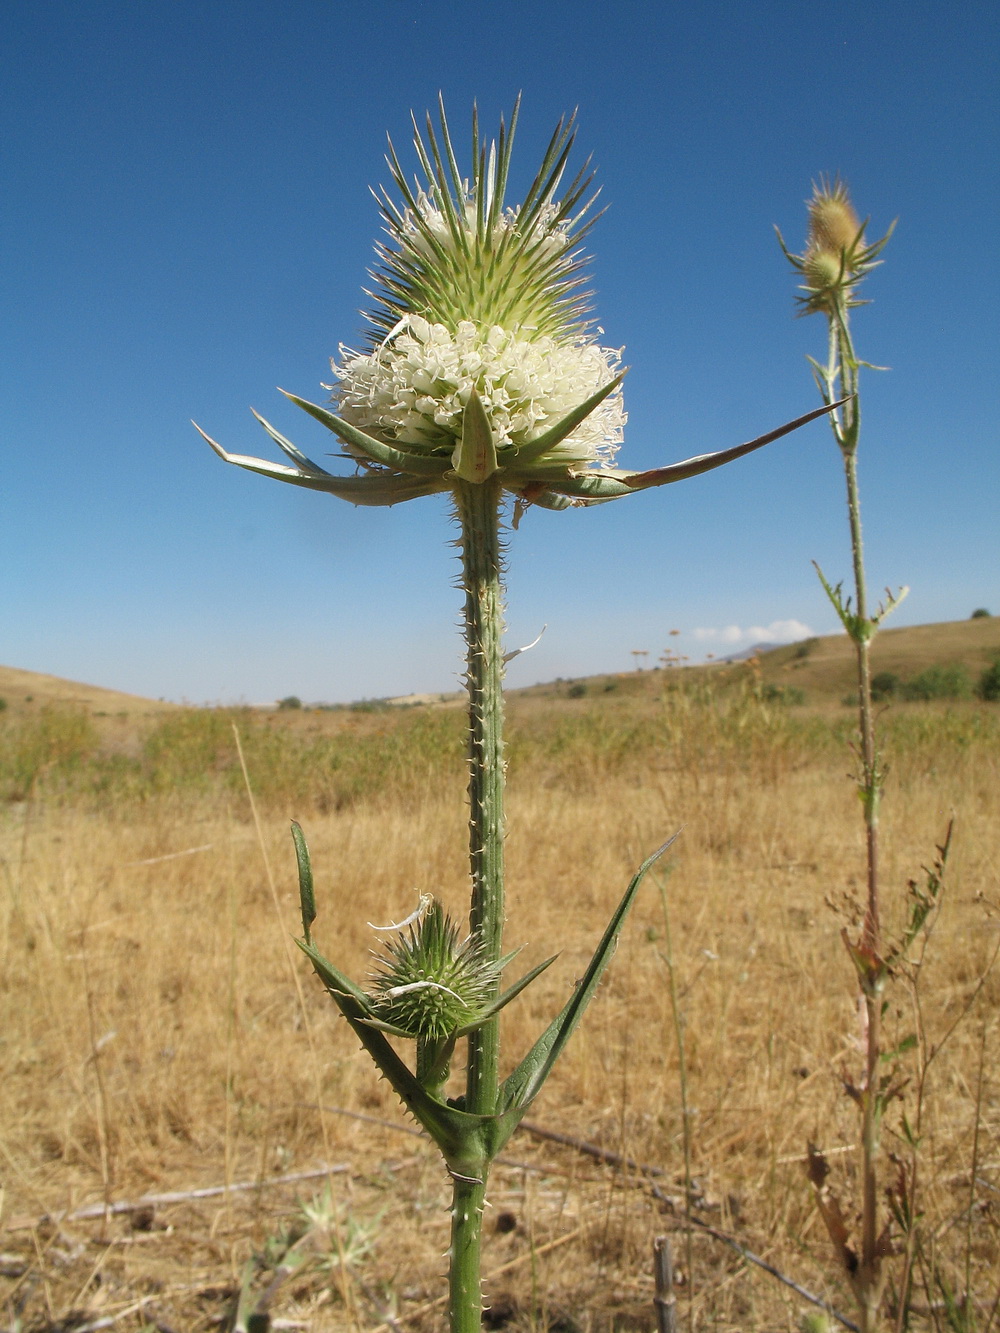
400 460
307 895
475 455
378 488
693 467
503 1000
871 967
591 487
293 451
535 449
859 628
522 1086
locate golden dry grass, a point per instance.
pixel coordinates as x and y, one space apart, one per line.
152 1037
20 688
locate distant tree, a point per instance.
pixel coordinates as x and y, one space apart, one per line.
980 613
292 701
884 684
939 682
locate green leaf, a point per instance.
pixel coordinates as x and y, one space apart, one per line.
522 1086
307 898
693 467
847 619
909 1134
375 489
301 461
475 455
529 453
592 487
907 1044
389 1029
892 600
870 967
401 460
503 1000
336 982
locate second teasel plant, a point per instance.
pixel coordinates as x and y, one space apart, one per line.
482 378
835 262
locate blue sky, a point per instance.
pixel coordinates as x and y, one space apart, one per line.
189 225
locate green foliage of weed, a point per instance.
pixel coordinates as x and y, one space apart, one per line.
939 682
783 694
402 759
988 686
727 723
54 744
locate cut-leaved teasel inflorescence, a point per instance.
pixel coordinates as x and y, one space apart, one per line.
482 359
483 377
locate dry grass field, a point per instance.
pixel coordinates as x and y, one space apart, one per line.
161 1036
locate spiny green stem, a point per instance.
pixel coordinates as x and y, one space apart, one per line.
465 1284
478 507
843 367
479 512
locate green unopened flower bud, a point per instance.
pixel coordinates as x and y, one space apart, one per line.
432 982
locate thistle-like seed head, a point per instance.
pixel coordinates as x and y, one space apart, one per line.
836 258
823 273
833 223
431 981
822 269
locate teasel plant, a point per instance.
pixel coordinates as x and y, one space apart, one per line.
482 378
836 261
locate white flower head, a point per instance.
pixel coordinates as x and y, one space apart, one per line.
476 295
413 389
483 363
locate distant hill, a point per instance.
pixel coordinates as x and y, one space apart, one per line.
823 668
26 689
755 650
